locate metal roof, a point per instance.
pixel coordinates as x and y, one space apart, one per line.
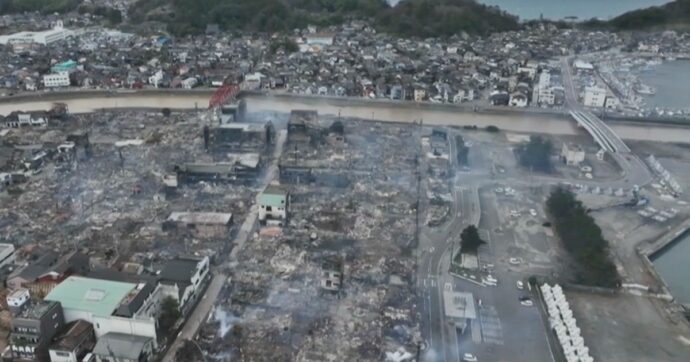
96 296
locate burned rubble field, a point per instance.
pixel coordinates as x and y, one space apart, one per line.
337 283
109 198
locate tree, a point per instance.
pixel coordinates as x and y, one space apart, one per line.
470 241
536 154
583 239
166 112
170 313
492 129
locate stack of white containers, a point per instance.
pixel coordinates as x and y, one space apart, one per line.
563 323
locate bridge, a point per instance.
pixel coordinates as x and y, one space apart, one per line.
603 135
634 170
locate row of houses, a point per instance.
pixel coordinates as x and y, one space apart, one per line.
63 309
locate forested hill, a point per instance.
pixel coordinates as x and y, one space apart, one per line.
410 17
669 16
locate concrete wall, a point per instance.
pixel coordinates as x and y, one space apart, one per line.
139 327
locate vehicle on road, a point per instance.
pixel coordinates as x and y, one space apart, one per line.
520 285
514 261
533 212
469 357
489 283
526 301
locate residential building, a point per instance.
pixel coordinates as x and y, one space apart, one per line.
518 99
75 340
66 66
200 224
156 79
572 154
121 347
56 80
419 94
46 269
594 97
612 102
582 66
188 276
236 136
273 204
110 306
17 299
33 329
189 83
244 168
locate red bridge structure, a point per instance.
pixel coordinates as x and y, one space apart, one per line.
224 94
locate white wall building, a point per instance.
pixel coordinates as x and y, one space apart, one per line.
109 305
156 78
56 80
46 37
189 83
17 298
594 97
572 154
187 277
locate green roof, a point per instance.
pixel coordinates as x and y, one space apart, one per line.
273 196
96 296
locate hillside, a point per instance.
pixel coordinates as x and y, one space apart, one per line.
672 15
44 6
410 17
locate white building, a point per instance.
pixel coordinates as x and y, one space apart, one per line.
17 298
543 92
518 99
109 306
189 83
156 79
56 80
583 66
46 37
612 102
186 277
594 97
572 154
321 39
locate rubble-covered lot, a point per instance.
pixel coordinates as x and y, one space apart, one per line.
279 307
108 196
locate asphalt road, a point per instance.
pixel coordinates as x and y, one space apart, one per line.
197 317
199 314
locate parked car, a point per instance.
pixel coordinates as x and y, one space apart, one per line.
520 285
469 357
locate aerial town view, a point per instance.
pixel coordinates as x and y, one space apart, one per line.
345 180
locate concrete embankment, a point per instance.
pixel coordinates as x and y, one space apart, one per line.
509 119
648 251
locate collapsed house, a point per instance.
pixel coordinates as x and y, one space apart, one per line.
200 224
239 137
242 168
